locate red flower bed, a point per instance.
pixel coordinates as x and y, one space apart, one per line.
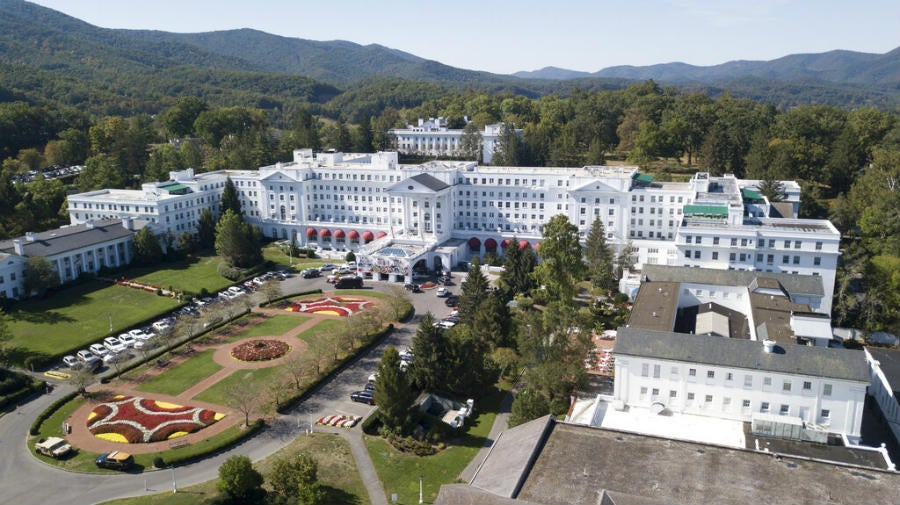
260 350
140 420
338 305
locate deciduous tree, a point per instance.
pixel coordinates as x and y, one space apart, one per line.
239 481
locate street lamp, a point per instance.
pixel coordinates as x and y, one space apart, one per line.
420 489
174 484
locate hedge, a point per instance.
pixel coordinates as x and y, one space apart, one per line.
35 387
49 411
284 297
184 455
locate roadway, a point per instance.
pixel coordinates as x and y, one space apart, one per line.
28 481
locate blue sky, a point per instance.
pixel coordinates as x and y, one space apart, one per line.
505 36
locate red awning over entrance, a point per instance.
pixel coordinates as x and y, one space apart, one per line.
353 235
523 244
474 243
381 234
324 232
310 232
490 244
505 243
368 236
339 234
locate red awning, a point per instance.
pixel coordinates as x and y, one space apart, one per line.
381 234
310 232
353 235
490 244
523 244
505 243
537 246
324 232
368 236
339 234
474 243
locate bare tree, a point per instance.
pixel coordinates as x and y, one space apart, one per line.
297 366
318 351
396 302
244 397
81 380
270 290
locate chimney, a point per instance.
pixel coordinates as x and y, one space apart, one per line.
127 223
17 247
768 346
30 236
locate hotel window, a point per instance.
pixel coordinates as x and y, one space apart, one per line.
645 370
715 240
692 372
786 386
654 392
708 399
825 414
729 376
764 407
656 371
784 410
817 261
767 381
797 244
690 396
818 246
715 255
748 381
807 386
826 390
710 374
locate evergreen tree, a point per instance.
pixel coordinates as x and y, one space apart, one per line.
472 292
490 325
598 256
625 260
428 369
469 368
230 199
508 152
527 406
238 242
147 248
393 394
772 189
518 265
471 141
561 265
206 230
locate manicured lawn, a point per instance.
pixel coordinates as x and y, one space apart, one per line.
260 378
337 474
78 315
399 472
325 327
191 274
52 427
179 378
272 326
273 253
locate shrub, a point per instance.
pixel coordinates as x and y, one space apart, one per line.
158 462
229 272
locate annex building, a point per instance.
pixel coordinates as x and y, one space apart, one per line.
440 213
432 137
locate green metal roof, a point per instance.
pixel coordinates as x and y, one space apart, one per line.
644 178
753 196
705 211
176 188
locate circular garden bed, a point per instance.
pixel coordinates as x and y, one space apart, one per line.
133 420
260 350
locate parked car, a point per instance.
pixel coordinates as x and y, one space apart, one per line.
412 287
364 396
115 357
93 364
83 355
113 344
98 350
451 301
345 270
116 460
327 267
127 340
442 292
162 325
349 283
54 447
140 334
71 362
311 273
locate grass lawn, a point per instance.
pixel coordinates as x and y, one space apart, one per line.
274 254
325 327
272 326
399 472
78 315
259 377
337 474
191 274
179 378
52 427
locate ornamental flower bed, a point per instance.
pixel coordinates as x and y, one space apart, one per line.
134 420
260 350
332 306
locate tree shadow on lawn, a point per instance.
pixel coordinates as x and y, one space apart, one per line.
334 495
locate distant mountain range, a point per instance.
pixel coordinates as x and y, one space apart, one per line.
840 67
44 54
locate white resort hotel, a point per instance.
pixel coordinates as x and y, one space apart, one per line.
442 213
